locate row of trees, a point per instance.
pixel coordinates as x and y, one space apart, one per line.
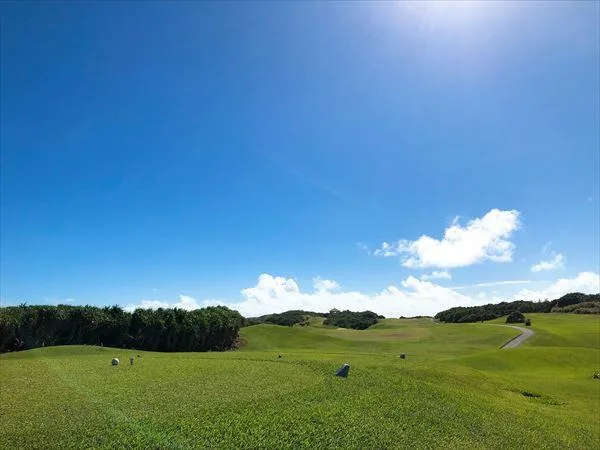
169 330
488 312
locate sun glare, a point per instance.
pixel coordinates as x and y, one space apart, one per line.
452 12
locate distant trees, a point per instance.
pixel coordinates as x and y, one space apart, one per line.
287 318
575 298
350 319
579 308
515 317
573 302
213 328
335 317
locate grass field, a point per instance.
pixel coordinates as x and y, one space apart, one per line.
456 389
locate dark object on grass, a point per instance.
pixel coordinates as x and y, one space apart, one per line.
596 376
530 394
343 371
279 356
528 322
515 317
402 355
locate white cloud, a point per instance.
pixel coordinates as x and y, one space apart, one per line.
557 262
274 294
586 282
412 297
483 239
442 274
387 250
325 285
415 297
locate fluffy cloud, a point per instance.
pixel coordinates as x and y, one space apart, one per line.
273 294
439 274
557 262
483 239
412 297
325 285
586 282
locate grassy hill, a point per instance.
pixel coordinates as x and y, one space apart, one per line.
455 389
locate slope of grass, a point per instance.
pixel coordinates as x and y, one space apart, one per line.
456 389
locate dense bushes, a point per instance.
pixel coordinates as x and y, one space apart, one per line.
489 312
350 319
169 330
515 317
335 318
575 298
579 308
287 318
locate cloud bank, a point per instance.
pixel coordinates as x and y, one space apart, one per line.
412 297
586 282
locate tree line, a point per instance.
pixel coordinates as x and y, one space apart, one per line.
167 330
573 302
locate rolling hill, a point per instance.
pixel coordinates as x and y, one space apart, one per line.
455 389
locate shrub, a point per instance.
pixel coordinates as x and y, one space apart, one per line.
515 317
287 318
350 319
528 322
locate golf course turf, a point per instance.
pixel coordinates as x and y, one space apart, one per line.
455 389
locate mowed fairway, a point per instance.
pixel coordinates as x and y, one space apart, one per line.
456 389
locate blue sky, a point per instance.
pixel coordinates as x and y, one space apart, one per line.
173 153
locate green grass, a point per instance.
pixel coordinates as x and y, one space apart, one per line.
456 389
